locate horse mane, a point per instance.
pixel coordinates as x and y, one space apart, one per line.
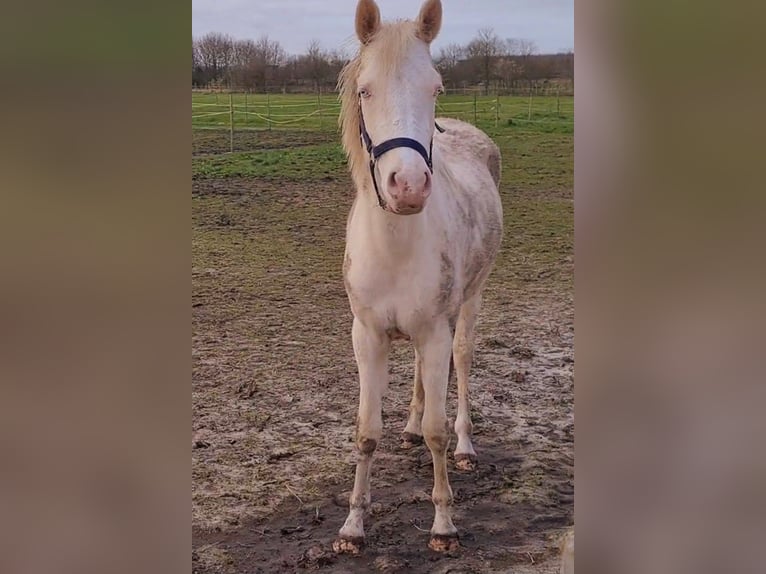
393 39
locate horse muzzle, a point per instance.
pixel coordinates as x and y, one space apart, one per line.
408 191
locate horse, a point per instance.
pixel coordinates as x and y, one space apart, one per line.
422 235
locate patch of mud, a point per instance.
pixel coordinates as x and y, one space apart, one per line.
275 394
496 535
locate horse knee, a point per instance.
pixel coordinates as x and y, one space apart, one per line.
368 433
436 436
366 446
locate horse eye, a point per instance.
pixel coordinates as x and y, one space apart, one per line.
364 93
439 90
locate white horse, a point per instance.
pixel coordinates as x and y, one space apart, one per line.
421 238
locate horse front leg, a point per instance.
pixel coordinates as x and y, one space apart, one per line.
371 351
435 349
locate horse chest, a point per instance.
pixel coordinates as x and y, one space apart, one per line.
399 295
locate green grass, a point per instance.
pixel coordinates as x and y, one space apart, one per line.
531 161
316 162
547 114
539 161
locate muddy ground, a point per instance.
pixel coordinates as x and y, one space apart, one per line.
275 393
218 141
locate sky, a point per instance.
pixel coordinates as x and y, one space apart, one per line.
294 23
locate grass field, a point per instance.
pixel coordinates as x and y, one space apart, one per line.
320 112
274 380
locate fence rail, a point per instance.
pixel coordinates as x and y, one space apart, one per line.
244 111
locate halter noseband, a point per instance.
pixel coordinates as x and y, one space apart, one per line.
375 151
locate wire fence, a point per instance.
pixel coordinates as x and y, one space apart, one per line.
245 111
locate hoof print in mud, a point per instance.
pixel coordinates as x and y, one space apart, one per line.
348 545
410 440
446 544
315 557
466 461
390 564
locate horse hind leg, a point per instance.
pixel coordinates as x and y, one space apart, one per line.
413 432
462 353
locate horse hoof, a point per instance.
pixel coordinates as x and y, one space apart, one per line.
466 461
410 440
442 543
348 545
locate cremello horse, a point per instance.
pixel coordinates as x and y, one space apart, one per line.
421 238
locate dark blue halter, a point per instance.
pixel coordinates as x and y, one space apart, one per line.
375 151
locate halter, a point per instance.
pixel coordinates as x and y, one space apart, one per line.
375 151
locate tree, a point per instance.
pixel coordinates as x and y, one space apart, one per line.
218 59
244 56
522 50
215 54
485 50
197 70
448 62
508 70
317 63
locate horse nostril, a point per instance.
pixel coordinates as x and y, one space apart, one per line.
392 179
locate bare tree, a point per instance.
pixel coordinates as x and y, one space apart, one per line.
263 63
317 63
215 53
197 69
520 47
244 54
527 47
271 56
522 51
271 52
448 61
508 70
484 50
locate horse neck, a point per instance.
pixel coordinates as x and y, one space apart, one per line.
388 234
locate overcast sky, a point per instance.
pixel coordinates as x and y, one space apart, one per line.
549 23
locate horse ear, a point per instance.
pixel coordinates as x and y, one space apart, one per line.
429 20
367 20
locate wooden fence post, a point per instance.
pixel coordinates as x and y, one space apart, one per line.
319 106
497 109
475 121
231 122
529 112
247 119
268 110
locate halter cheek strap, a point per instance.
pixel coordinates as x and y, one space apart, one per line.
375 151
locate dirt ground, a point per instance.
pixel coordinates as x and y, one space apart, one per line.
217 141
275 394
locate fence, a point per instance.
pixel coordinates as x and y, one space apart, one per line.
547 87
245 111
